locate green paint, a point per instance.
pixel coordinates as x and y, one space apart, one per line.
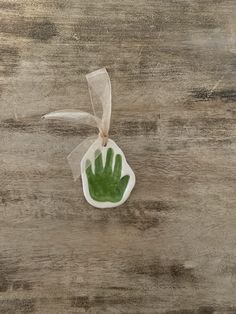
105 184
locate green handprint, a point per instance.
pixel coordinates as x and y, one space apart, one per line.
106 184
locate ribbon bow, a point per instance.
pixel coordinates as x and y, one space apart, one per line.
99 86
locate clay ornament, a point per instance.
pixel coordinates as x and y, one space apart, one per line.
107 178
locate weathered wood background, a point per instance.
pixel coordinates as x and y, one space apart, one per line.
171 249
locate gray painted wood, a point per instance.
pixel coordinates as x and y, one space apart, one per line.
171 248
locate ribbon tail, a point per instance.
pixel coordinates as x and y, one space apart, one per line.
75 157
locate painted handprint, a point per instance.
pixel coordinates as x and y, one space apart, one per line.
105 183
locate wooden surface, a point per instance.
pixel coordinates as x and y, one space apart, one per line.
171 249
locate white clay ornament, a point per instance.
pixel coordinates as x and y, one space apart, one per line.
107 178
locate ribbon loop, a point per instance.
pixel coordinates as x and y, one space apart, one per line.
74 116
99 86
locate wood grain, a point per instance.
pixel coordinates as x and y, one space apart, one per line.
170 249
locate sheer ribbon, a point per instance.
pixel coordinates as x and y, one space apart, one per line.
99 86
